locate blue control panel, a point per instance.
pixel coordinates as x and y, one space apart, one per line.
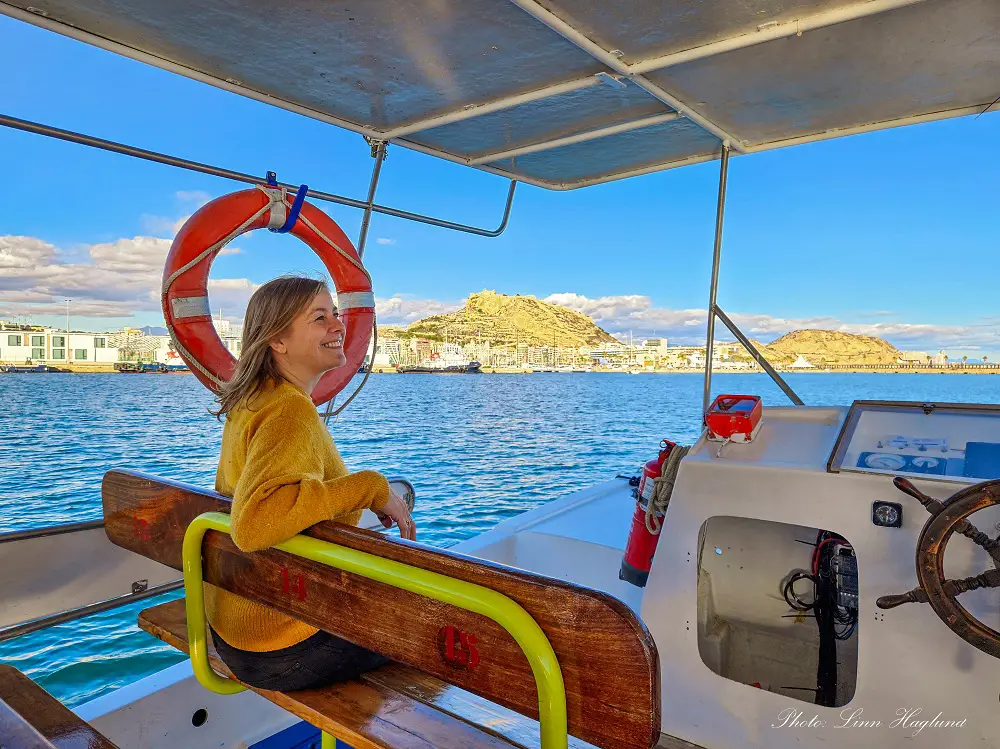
982 460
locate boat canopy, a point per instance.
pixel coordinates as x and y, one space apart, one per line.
569 93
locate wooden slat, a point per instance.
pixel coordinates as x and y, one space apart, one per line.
364 714
45 714
608 659
464 705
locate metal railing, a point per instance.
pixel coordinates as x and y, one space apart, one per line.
195 166
464 595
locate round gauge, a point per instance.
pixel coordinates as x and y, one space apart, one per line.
886 515
926 462
885 461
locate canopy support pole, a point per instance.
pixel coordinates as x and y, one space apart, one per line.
714 311
378 153
713 291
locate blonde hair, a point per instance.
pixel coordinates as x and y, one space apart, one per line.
271 309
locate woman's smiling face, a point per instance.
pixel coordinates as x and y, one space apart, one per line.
314 341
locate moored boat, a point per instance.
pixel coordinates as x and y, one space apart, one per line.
26 369
428 367
130 367
449 360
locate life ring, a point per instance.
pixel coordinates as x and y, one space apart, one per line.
185 281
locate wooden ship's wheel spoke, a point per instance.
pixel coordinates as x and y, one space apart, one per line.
989 579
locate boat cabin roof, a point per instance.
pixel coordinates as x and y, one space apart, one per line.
565 94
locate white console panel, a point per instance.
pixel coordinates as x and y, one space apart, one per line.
907 657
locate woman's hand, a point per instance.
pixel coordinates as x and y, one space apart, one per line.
396 510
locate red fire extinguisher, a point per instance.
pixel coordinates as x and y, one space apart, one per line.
641 541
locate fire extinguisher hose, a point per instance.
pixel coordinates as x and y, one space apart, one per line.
663 488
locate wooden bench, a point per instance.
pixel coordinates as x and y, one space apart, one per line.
607 657
31 718
393 707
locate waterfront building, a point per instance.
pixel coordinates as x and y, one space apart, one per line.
22 344
385 353
522 353
231 334
608 353
422 348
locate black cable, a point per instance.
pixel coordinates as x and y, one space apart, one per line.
788 592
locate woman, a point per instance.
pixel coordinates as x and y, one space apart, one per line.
281 468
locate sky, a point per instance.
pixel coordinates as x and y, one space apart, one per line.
893 234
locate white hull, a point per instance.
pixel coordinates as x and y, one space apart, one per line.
713 606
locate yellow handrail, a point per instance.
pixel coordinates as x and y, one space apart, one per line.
469 596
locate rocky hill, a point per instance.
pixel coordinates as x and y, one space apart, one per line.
821 347
506 320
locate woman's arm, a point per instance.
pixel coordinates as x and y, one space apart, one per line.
281 490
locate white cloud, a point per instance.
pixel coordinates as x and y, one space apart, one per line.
605 307
189 200
402 310
162 225
118 279
198 198
231 295
385 240
621 314
230 251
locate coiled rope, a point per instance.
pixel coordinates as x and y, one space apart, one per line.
663 488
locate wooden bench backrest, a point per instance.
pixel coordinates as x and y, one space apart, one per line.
31 718
18 733
608 658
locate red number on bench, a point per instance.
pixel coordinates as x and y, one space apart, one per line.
458 647
296 585
141 529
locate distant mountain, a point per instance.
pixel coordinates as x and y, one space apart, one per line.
150 330
505 320
829 347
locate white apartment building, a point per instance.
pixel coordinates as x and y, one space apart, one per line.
231 335
386 352
34 344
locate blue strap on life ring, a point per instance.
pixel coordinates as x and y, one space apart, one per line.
293 213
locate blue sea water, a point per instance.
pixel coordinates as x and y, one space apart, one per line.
479 449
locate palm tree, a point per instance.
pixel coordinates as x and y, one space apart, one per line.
984 360
965 359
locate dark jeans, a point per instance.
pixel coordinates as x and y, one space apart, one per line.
317 661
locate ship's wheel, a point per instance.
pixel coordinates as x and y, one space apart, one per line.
947 518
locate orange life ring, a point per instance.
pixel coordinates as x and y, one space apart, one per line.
185 281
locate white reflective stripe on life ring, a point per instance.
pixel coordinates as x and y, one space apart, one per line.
355 299
189 306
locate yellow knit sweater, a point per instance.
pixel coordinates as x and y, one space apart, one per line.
281 468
